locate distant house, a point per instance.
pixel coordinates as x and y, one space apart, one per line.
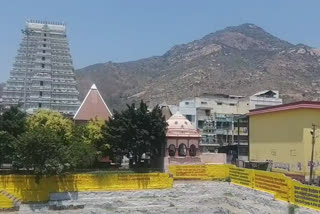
92 107
281 134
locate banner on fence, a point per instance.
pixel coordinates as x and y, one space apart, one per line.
189 171
282 187
274 183
25 188
203 172
241 176
305 195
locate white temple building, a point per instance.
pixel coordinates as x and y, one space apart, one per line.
43 75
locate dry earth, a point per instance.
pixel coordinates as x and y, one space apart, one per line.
186 197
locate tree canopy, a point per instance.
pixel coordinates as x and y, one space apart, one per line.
47 143
53 121
137 131
51 145
13 121
12 124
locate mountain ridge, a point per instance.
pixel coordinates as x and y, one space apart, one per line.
238 60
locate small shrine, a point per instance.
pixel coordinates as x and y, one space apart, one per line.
182 138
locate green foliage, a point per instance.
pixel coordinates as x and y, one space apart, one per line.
12 124
91 134
136 131
54 122
292 208
7 147
13 121
81 155
51 145
43 151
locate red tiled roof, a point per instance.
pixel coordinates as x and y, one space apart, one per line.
285 107
93 106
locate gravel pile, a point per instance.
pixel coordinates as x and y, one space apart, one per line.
186 197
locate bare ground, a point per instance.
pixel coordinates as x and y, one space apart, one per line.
185 197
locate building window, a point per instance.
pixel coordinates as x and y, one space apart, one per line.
43 51
182 150
45 34
219 104
40 93
189 117
42 65
200 124
44 39
207 111
41 83
204 103
43 58
44 45
232 104
193 150
293 152
172 150
40 105
187 103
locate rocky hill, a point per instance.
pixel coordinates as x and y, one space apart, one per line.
238 60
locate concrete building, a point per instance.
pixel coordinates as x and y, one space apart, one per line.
43 75
281 134
220 121
264 99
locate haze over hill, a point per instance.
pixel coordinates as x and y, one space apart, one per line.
238 60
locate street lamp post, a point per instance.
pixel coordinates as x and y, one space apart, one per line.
313 133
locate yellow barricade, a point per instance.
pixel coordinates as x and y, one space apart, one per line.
189 171
305 195
25 188
282 187
217 171
5 202
274 183
203 172
240 176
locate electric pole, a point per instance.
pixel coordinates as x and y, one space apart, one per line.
313 133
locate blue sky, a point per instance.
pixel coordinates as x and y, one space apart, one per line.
103 30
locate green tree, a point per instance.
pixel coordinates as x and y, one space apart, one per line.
43 151
13 121
93 135
137 131
51 145
12 124
8 145
53 121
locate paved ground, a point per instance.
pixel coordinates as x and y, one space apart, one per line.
186 197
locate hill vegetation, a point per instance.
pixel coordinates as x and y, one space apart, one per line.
237 60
